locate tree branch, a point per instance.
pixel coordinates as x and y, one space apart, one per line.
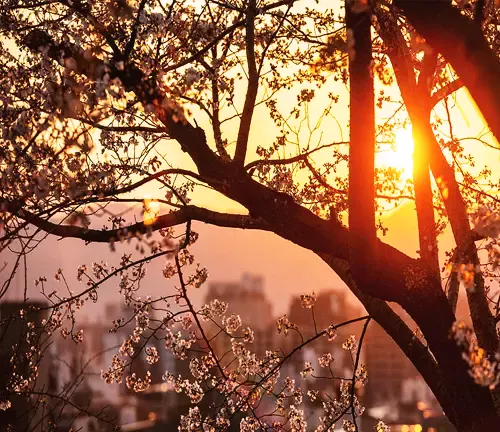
101 29
207 47
292 159
253 86
174 218
415 99
446 91
461 41
123 129
192 139
397 329
133 35
453 285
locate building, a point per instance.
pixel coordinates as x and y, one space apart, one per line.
392 377
158 405
17 319
247 299
84 361
332 307
396 392
387 367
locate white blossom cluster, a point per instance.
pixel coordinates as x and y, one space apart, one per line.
239 375
484 369
486 222
308 300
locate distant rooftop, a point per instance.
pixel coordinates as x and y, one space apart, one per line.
249 284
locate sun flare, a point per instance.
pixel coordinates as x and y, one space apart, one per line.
151 210
399 155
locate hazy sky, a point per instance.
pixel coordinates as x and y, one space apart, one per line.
287 268
228 253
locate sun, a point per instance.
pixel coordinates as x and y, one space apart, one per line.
151 210
399 155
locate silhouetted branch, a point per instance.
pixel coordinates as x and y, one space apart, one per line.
183 215
462 43
446 91
252 88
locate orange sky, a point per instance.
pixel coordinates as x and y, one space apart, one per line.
288 269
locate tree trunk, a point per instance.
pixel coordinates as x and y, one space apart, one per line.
460 40
362 230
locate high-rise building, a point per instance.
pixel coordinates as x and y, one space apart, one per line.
84 362
332 307
389 370
387 367
247 299
17 319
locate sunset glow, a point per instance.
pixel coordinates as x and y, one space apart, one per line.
151 210
400 155
252 215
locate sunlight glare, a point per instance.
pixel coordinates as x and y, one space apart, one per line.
151 210
399 156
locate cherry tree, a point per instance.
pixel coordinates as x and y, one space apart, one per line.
101 99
